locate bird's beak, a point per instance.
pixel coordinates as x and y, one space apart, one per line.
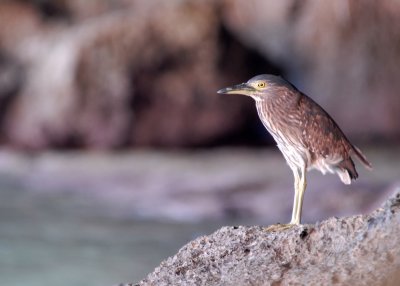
243 88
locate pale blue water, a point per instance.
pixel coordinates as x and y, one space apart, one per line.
66 240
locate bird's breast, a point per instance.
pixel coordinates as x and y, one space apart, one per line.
286 131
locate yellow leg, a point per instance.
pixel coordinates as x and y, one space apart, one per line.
296 196
299 188
296 218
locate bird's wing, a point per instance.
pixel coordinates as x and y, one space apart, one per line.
320 133
323 136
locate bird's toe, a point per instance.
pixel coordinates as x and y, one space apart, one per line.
278 227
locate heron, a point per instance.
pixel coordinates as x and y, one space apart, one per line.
305 133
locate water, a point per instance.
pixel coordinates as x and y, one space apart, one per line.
50 240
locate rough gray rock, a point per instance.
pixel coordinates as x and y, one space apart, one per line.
357 250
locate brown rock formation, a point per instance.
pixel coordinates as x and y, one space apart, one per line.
142 74
124 73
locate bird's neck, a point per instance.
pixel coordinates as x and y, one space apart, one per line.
265 112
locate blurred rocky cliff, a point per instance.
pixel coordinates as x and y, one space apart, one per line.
108 74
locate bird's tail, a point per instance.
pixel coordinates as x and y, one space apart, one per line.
362 158
347 171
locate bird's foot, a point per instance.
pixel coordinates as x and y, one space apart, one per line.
279 227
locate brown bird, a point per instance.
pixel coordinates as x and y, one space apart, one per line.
304 132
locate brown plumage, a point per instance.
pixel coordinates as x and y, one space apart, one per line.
305 133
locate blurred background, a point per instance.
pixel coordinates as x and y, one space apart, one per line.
116 149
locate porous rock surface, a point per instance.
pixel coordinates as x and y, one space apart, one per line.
357 250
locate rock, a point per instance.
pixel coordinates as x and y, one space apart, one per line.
103 74
144 73
134 73
357 250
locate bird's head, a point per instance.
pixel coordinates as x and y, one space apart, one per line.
258 87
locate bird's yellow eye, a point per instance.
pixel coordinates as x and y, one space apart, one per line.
261 84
